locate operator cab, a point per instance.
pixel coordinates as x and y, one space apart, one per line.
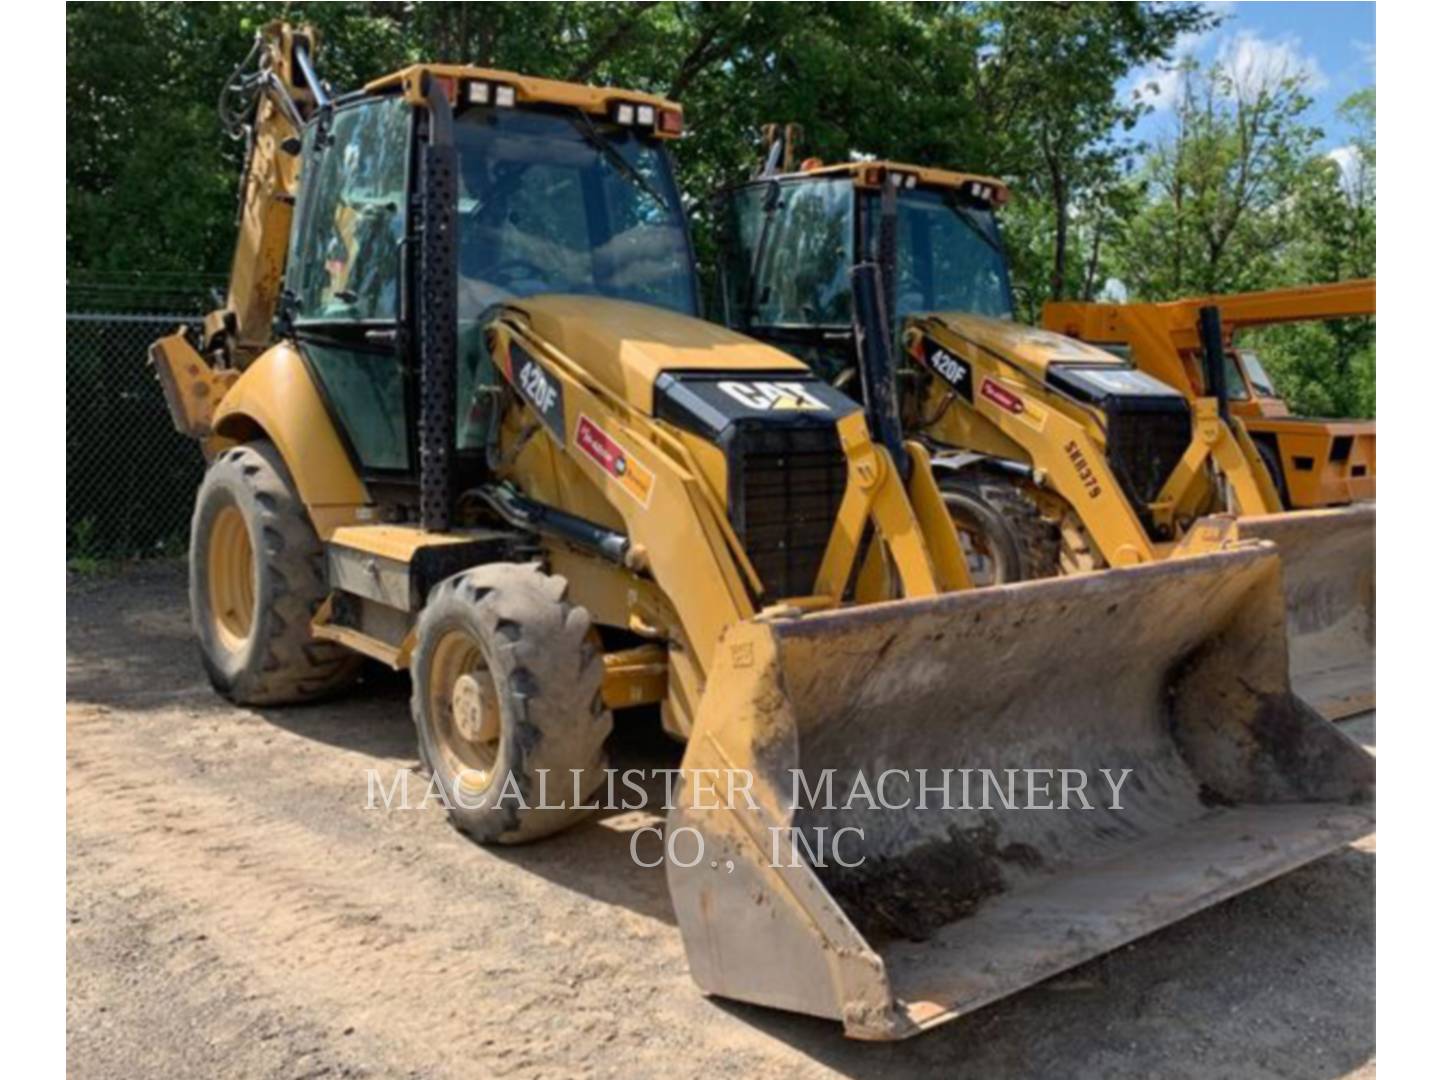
792 240
561 189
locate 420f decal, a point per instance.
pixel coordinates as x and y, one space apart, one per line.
953 369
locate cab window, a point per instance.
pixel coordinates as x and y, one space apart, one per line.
346 260
1259 377
344 274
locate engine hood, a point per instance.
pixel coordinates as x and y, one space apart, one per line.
627 346
1031 348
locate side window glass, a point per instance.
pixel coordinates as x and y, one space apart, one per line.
367 392
345 263
805 278
1235 387
744 219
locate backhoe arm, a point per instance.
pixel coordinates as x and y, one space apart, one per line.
267 106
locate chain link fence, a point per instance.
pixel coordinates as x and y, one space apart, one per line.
130 477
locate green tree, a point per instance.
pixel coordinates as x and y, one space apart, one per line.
1218 195
1328 369
1047 88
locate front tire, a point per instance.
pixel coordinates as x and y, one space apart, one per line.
1004 536
507 703
256 577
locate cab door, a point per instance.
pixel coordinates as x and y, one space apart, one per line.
344 284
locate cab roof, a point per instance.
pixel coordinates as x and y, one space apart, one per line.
873 173
530 90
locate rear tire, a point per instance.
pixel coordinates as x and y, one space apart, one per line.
256 577
1002 531
507 678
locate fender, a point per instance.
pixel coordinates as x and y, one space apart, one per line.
276 398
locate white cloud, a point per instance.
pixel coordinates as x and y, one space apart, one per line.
1251 60
1350 164
1254 62
1159 84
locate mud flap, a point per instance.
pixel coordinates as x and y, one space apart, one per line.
1175 671
1329 558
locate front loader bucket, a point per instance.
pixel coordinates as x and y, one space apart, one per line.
1175 671
1329 558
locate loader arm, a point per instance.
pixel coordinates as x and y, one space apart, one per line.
676 525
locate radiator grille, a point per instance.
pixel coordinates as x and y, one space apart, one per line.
785 490
1144 445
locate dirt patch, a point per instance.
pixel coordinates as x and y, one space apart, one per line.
234 908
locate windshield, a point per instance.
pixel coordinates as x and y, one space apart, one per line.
804 274
546 208
948 257
1259 377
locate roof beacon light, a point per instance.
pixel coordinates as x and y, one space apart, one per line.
625 113
645 115
504 96
478 93
672 121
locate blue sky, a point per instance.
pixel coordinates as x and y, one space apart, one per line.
1332 43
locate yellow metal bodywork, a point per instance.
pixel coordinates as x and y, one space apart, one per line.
191 386
1063 441
276 398
677 511
1325 462
1332 630
873 173
626 346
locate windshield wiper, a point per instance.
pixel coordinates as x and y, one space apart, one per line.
617 160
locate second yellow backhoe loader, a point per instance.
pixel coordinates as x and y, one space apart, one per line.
1053 456
489 442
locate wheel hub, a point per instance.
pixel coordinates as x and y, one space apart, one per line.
475 712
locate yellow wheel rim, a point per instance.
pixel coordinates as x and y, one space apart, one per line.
232 578
464 710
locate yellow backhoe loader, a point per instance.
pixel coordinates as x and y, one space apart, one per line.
1054 456
489 442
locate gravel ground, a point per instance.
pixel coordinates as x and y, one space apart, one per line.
235 909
